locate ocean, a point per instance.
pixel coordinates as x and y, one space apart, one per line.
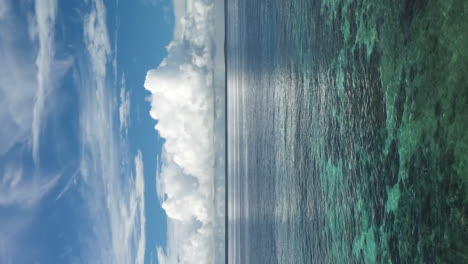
347 131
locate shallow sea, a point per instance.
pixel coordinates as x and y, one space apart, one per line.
347 131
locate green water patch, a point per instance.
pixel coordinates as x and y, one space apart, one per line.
397 100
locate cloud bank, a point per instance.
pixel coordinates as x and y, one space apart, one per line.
187 101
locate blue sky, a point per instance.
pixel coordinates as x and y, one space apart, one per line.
91 127
144 31
112 131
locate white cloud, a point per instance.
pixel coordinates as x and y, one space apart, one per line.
124 108
114 192
25 84
140 190
112 183
97 41
180 9
186 92
15 113
114 195
19 189
23 108
49 69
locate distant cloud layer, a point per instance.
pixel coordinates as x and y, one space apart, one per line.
184 105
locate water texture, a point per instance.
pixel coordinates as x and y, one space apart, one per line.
347 131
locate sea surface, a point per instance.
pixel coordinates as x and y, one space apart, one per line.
347 131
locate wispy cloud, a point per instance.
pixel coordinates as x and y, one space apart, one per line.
97 40
124 108
25 84
4 9
17 189
15 71
114 190
140 199
46 12
184 102
22 190
23 108
109 179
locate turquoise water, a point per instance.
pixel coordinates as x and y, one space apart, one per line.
347 131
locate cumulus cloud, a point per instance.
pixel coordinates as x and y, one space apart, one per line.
186 94
114 192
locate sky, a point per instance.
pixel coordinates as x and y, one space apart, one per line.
112 139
